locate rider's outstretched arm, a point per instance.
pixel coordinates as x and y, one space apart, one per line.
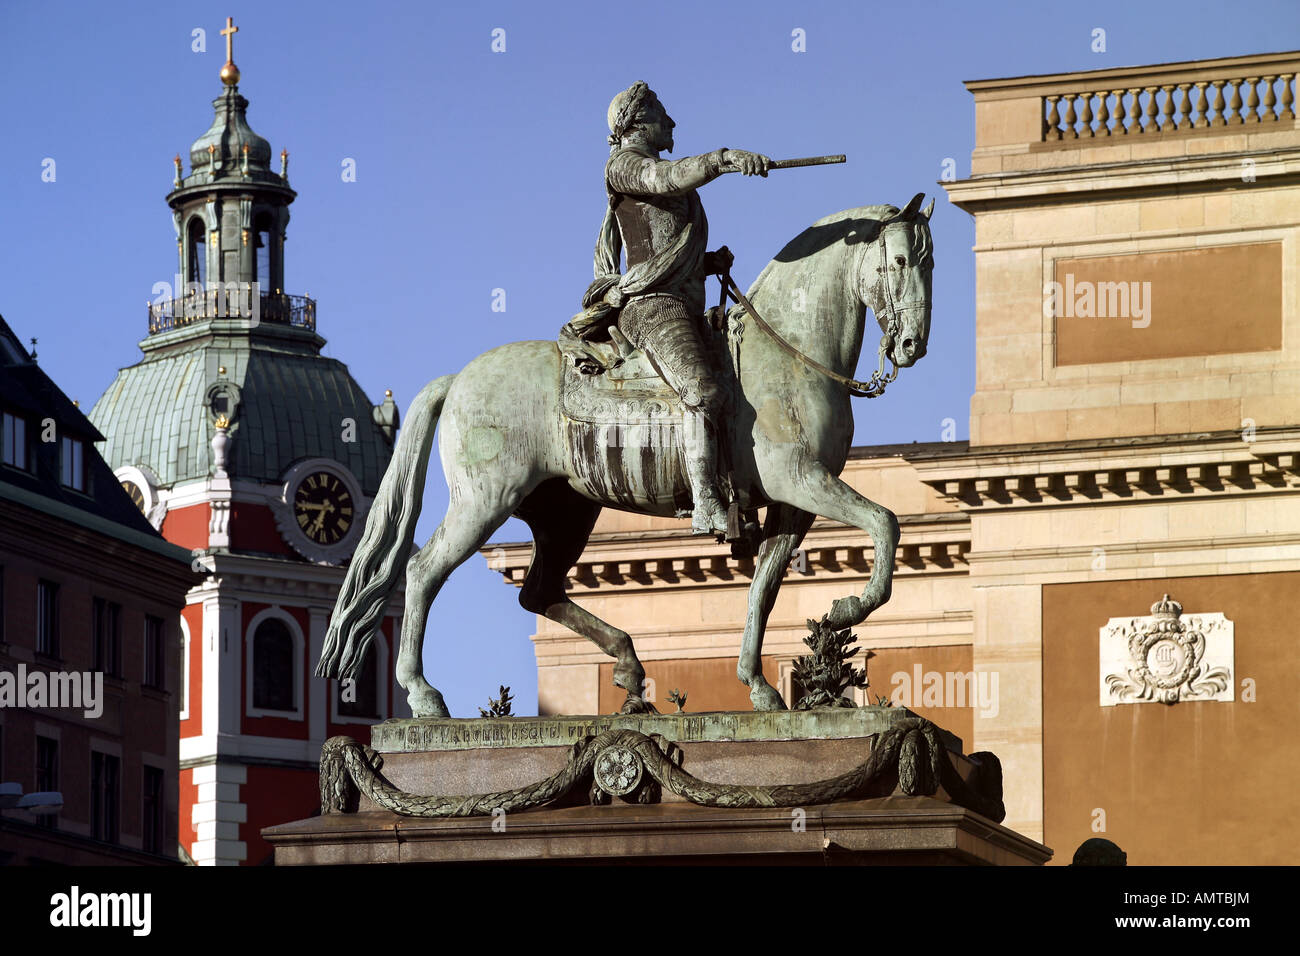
634 173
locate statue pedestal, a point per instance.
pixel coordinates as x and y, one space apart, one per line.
867 785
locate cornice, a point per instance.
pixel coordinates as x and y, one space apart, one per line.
254 578
931 544
1088 182
1050 476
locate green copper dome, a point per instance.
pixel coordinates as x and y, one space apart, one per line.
219 152
285 401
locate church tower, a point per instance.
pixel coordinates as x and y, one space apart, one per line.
241 442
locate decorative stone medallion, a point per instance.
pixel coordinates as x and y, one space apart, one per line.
1166 657
617 770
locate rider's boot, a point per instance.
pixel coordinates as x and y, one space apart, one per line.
701 448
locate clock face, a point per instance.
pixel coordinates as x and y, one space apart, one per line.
137 496
322 506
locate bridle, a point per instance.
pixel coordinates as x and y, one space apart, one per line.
873 387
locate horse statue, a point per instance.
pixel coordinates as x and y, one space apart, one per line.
519 436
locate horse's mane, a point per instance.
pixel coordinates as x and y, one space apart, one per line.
850 226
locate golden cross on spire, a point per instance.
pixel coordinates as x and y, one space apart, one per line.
230 72
229 33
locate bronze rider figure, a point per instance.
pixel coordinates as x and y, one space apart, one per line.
656 216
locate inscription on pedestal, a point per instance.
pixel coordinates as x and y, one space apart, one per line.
414 735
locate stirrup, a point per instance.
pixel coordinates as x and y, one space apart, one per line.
715 516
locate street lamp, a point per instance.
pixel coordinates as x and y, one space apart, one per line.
42 802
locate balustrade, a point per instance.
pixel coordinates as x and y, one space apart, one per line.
1140 109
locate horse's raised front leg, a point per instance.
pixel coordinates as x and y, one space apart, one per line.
783 530
820 492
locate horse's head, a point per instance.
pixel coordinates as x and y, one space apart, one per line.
895 281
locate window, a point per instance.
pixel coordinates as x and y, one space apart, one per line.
262 259
154 655
151 817
15 441
106 618
198 253
73 464
47 618
104 773
366 691
273 671
47 775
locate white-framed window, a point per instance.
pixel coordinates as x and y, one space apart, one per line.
183 684
274 651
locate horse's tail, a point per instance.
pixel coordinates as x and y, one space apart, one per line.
381 556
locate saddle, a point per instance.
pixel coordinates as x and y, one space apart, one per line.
611 381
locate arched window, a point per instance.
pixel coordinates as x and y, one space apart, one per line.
262 239
183 691
274 680
198 252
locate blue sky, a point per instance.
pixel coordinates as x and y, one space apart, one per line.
478 170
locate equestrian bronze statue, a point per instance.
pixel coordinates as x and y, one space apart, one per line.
647 404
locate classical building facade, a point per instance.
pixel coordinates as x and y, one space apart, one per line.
90 678
241 442
1098 585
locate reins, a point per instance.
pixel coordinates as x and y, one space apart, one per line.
872 388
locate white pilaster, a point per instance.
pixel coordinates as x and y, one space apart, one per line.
217 815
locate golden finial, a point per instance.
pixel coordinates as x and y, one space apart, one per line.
388 393
222 422
221 370
230 72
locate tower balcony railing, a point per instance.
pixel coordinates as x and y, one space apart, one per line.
232 300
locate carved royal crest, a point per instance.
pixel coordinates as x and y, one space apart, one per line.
1164 657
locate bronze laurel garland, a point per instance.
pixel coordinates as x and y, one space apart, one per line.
911 748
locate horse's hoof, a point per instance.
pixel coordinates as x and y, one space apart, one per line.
427 702
765 697
846 612
638 705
